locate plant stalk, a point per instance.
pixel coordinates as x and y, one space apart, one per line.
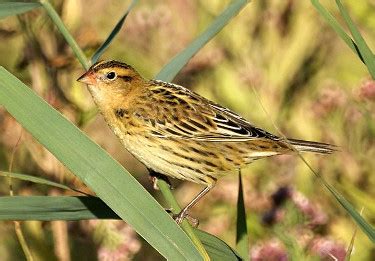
64 31
167 194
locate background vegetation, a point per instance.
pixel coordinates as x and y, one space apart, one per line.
308 80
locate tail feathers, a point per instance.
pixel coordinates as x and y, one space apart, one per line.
312 146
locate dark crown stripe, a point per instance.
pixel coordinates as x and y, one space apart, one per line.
109 64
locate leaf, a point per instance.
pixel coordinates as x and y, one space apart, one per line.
359 196
8 8
216 248
242 237
64 31
178 62
173 204
106 177
366 227
361 222
112 35
48 208
349 251
337 27
363 48
37 180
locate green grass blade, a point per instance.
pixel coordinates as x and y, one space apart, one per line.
337 27
349 251
64 31
363 48
106 177
362 223
366 227
112 35
49 208
34 179
170 199
242 237
216 248
359 196
9 8
175 65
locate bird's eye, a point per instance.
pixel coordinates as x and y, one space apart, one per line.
111 75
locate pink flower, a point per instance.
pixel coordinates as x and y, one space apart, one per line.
328 249
329 100
270 250
367 90
312 211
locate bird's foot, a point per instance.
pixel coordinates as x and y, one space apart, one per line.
184 215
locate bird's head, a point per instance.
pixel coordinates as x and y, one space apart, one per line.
110 76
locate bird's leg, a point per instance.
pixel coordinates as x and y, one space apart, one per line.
154 176
184 212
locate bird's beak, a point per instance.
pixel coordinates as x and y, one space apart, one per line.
88 78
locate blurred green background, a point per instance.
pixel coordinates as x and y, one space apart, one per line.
279 54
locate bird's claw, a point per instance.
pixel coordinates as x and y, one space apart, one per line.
184 215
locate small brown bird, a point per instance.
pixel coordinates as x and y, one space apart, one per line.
178 133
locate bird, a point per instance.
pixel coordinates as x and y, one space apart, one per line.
179 133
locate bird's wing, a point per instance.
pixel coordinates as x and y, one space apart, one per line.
181 113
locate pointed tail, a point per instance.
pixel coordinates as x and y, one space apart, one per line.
312 146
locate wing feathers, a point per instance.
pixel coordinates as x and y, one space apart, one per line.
193 117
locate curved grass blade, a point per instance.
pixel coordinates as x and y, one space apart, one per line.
366 227
363 48
170 70
358 196
216 248
64 31
242 237
349 251
106 177
37 180
112 35
362 223
337 27
9 8
167 194
49 208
